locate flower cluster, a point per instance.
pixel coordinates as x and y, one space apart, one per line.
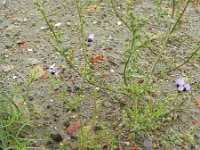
182 87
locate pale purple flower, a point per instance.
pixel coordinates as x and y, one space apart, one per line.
179 82
52 70
90 39
181 86
186 87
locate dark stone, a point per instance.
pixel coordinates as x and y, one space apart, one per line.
66 123
76 88
56 137
69 89
30 98
97 128
48 106
74 138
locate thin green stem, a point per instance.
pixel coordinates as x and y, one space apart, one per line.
167 37
47 22
173 8
128 60
117 14
186 61
83 46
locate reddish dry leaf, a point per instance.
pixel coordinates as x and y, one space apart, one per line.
23 46
133 148
72 128
38 72
196 122
98 57
105 76
197 103
140 81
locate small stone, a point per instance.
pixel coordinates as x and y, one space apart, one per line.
126 143
6 68
73 137
147 143
56 114
56 137
33 61
30 49
14 77
66 123
76 88
44 28
48 106
69 89
107 104
58 24
97 128
119 23
111 70
69 23
30 98
122 101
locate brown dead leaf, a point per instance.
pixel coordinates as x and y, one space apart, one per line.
96 58
155 37
196 122
197 103
38 73
20 42
23 46
93 9
133 148
105 76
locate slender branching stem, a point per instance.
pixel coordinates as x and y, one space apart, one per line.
187 60
167 37
118 15
45 17
173 8
128 60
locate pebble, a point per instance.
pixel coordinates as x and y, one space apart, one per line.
122 101
69 89
68 23
97 128
44 28
66 123
33 61
58 24
76 88
56 137
107 104
30 98
6 68
30 49
119 23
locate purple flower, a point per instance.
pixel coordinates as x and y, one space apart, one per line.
186 87
90 39
181 86
179 82
52 70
